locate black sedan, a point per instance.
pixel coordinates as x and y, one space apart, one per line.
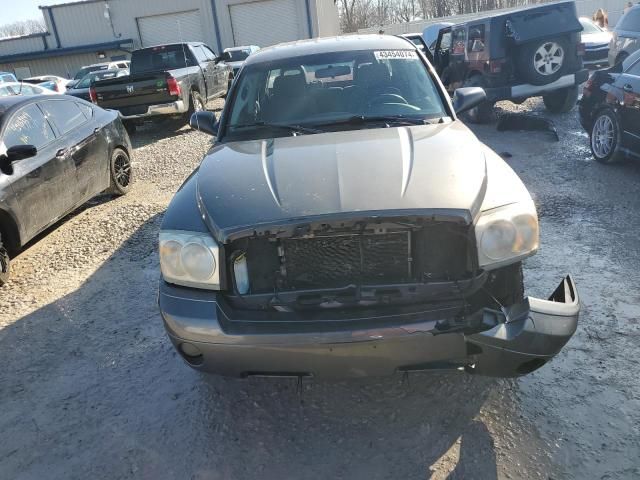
610 111
56 152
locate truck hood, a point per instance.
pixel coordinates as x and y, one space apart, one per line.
254 186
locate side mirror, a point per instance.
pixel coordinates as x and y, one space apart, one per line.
204 122
20 152
468 97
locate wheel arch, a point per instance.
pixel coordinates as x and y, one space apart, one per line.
9 231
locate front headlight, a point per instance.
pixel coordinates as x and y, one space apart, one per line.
507 234
189 259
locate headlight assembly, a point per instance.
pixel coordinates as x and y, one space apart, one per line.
189 259
507 234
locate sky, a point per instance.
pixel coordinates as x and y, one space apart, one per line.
13 10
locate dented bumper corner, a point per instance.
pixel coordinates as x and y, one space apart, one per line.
527 335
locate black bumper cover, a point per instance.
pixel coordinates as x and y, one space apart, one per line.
509 343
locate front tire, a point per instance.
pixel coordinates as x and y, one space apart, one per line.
5 264
121 174
561 101
196 104
543 61
482 113
605 137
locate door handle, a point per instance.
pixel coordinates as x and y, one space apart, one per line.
61 153
627 87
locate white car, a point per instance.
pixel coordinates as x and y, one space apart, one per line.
84 71
57 84
596 43
18 88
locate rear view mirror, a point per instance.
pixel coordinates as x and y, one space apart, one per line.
205 122
332 72
468 97
20 152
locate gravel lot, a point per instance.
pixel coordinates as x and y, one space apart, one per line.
91 388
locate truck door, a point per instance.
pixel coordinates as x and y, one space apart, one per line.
457 57
208 67
441 52
221 68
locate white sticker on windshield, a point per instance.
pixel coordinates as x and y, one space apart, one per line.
395 54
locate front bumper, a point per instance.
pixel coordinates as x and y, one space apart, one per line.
510 343
172 108
527 90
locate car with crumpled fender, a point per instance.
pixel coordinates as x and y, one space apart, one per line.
346 223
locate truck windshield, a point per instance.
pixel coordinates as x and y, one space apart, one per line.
161 58
326 90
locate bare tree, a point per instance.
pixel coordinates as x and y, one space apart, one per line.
24 27
356 14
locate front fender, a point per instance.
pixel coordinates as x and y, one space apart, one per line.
183 212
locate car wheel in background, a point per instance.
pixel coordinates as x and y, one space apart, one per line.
543 61
484 112
196 104
5 264
561 101
605 137
121 173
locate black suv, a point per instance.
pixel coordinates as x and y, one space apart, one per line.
515 55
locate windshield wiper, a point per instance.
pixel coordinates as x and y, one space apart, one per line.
363 119
292 128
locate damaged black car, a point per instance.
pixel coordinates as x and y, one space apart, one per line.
345 223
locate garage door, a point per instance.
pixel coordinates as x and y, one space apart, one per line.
171 28
268 22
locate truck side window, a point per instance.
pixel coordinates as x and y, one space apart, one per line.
199 53
459 41
445 44
476 39
210 54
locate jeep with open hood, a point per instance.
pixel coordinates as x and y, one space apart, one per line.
514 55
346 223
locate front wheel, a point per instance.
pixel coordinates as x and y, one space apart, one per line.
482 113
196 104
5 264
605 138
121 175
561 101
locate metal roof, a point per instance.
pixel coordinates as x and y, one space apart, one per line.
342 43
58 52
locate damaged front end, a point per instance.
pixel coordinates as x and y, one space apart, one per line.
525 336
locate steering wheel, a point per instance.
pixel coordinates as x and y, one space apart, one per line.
388 98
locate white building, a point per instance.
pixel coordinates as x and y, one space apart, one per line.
92 31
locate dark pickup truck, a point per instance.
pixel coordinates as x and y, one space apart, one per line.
176 80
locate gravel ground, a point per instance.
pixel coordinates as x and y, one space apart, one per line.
91 388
